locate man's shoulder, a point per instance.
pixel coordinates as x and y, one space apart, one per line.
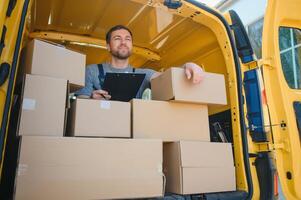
145 70
148 72
92 66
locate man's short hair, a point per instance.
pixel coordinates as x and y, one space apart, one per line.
115 28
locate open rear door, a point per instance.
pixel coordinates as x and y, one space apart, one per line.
282 76
12 22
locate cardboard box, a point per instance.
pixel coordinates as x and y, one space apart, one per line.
193 167
88 168
99 118
43 107
169 121
173 85
46 59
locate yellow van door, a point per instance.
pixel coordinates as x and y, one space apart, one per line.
12 21
281 61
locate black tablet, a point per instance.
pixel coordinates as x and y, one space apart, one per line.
123 86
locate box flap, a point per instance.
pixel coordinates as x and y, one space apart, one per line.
164 80
206 154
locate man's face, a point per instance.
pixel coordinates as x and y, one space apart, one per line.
120 44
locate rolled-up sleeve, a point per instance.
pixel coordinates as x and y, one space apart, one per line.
88 89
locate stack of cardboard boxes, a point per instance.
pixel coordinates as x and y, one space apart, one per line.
50 72
54 166
192 164
114 149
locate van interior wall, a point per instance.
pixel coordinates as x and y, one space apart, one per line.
175 38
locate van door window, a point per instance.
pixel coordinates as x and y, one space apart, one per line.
290 52
255 35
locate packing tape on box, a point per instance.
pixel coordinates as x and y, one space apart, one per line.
105 105
22 168
29 104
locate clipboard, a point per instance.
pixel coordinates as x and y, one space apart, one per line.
123 86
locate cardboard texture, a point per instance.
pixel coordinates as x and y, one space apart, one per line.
173 85
193 167
43 107
169 121
46 59
97 118
88 168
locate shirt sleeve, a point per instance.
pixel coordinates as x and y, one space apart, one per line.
148 74
88 89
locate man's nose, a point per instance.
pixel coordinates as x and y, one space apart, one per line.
122 41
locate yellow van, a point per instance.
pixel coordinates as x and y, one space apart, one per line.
263 116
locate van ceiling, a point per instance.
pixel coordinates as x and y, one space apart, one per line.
170 37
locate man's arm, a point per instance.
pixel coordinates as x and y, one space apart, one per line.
191 70
155 75
86 91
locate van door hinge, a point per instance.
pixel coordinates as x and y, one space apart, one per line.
266 63
279 146
2 40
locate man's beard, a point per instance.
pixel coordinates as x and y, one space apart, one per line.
122 56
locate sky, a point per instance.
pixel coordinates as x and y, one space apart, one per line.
210 2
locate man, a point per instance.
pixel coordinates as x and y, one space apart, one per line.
119 41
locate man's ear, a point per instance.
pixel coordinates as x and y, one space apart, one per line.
108 48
